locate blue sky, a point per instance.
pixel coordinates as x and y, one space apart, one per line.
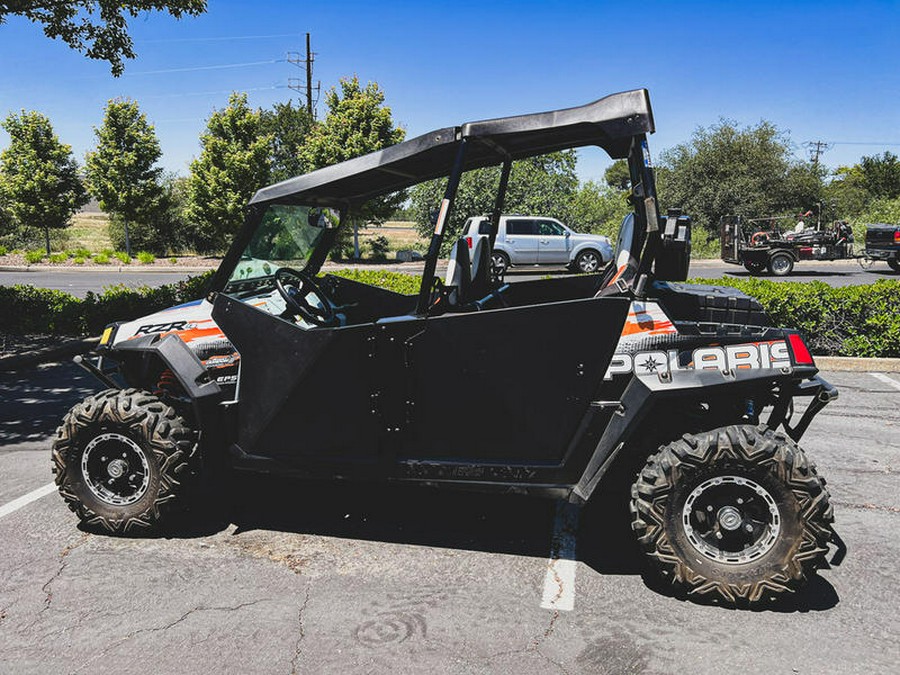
821 70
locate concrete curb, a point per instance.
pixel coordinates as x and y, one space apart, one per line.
25 360
857 365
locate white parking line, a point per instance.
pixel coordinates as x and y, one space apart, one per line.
25 500
559 580
886 379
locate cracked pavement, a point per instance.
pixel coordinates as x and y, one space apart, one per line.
311 578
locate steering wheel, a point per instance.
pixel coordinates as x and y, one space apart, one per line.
295 296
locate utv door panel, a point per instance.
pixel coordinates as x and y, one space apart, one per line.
510 385
304 395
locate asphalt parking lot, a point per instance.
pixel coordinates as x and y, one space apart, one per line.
303 578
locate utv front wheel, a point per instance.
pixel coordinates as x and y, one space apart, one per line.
123 460
737 514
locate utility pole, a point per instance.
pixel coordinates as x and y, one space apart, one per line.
296 84
816 149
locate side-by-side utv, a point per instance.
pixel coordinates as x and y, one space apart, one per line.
542 387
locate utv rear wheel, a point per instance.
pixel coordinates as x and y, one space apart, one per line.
781 264
123 460
737 514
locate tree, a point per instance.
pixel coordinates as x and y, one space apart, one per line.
728 170
598 209
617 175
357 123
38 175
121 171
96 28
880 175
545 185
289 127
233 164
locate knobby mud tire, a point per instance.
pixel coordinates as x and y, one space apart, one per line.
770 458
167 441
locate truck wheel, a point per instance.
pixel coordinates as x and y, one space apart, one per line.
894 264
755 267
123 459
737 514
588 261
499 262
781 264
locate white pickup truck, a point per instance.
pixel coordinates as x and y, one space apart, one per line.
536 240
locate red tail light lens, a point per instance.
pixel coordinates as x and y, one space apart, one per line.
897 236
469 241
802 357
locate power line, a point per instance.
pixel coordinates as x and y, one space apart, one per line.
222 39
816 149
214 93
198 68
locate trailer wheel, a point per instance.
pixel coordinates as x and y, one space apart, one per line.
781 264
755 267
894 264
736 515
123 460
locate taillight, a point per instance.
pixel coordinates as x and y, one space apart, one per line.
897 236
469 241
802 357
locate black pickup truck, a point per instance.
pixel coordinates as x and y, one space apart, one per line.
883 243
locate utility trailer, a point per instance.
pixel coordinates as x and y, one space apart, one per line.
761 245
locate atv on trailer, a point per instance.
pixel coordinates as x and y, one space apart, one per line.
281 370
760 245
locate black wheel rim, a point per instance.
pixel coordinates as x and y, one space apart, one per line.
731 519
115 469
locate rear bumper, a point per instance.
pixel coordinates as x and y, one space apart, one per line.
882 253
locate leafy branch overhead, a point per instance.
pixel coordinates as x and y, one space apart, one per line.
96 28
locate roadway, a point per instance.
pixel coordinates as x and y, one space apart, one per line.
322 578
79 282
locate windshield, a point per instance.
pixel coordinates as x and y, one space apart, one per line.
286 236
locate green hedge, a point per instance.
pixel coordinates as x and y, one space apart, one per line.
26 309
845 321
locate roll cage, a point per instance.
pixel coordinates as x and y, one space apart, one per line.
618 124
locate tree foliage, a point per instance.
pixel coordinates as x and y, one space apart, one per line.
233 164
747 171
289 128
122 172
39 180
357 123
96 28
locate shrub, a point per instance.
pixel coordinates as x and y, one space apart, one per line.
78 260
145 257
398 282
379 246
80 252
123 257
57 258
101 258
173 260
3 250
39 310
845 321
33 257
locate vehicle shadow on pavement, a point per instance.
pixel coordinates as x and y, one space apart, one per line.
795 273
33 402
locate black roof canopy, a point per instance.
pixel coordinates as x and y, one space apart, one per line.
609 123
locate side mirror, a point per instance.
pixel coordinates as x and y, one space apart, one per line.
568 233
